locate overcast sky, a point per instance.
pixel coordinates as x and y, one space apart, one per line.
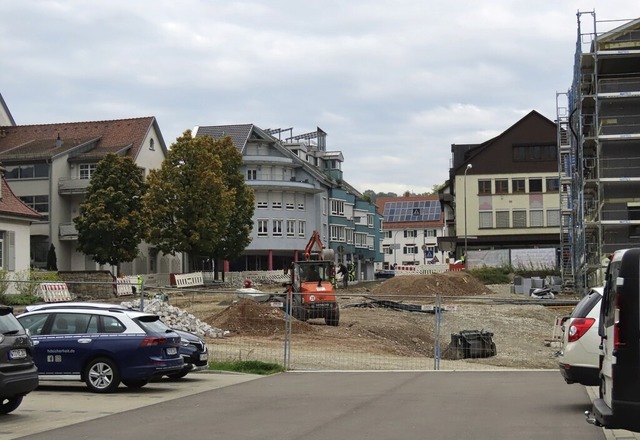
393 82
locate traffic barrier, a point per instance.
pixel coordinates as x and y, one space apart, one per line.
54 292
193 279
124 286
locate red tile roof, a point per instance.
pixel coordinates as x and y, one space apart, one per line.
10 205
39 141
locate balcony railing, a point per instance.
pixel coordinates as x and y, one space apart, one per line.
68 185
68 231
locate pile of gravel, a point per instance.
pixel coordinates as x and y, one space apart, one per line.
177 318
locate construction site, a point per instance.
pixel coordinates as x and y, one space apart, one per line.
599 149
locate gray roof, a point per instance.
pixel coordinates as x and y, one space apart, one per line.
239 133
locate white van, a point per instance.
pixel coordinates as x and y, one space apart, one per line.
619 404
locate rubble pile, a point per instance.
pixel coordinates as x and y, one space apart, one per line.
177 318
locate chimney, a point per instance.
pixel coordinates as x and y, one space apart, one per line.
58 142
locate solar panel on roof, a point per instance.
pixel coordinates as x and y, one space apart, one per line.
417 211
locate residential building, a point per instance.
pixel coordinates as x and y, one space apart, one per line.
412 225
599 140
15 223
299 188
49 167
504 193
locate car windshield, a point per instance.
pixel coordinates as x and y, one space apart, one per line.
8 323
152 324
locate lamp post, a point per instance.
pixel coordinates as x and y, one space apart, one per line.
469 166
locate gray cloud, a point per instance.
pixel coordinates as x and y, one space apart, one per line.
394 83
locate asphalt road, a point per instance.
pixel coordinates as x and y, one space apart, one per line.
481 405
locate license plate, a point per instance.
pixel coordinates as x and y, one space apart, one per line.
19 353
172 350
204 356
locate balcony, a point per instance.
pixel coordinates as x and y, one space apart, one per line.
68 231
68 185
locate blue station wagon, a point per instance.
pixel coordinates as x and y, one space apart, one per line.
102 347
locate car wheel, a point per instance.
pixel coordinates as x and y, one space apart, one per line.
135 384
8 404
101 376
179 375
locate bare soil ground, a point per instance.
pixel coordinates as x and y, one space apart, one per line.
522 329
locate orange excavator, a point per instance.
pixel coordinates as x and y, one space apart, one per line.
310 284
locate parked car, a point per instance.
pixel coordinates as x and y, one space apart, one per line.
579 359
102 347
193 348
18 372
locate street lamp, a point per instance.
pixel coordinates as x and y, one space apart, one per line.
469 166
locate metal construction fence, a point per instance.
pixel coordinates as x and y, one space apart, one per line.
399 331
392 332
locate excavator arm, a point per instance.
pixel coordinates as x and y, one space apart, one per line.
313 241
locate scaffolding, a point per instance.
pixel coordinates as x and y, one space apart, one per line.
599 149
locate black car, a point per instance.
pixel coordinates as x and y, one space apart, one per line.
18 372
194 353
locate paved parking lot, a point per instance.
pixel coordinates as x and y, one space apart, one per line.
478 405
60 404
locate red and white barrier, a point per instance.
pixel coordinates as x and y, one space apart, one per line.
124 286
54 292
187 279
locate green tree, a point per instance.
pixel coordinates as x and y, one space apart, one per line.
238 229
52 259
197 200
112 222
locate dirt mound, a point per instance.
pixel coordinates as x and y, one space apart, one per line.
248 317
445 284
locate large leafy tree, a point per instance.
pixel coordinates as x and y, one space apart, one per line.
238 230
195 202
112 222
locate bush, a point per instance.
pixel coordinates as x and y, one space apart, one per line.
27 281
251 367
18 300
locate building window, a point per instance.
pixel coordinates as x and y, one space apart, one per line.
430 232
552 184
536 218
252 174
518 186
263 227
291 228
502 219
519 218
349 236
152 144
502 186
337 207
535 185
485 220
535 153
38 203
337 233
388 234
262 204
86 170
324 206
289 205
370 220
301 206
277 228
29 171
484 186
553 217
411 249
387 250
302 228
360 240
410 234
276 205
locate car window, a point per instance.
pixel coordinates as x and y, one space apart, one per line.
34 323
152 324
111 325
585 305
8 322
69 323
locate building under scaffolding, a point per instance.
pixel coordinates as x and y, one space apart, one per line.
599 149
